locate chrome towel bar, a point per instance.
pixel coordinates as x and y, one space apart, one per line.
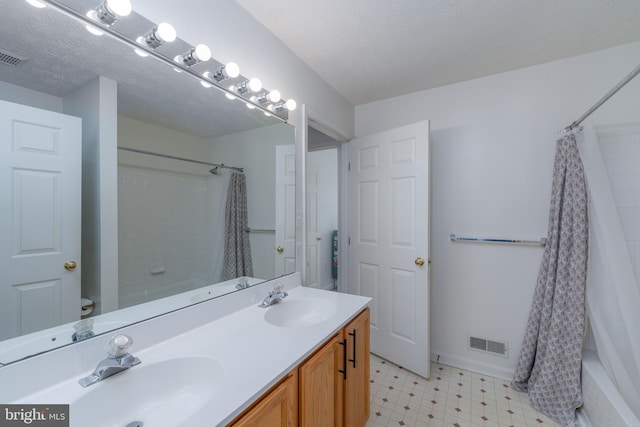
541 242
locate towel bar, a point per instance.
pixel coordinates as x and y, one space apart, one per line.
541 242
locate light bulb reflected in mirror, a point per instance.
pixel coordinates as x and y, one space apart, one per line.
36 3
229 95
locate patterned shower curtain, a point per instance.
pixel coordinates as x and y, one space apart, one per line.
237 250
551 357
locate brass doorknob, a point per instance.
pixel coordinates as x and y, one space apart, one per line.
70 265
419 261
280 249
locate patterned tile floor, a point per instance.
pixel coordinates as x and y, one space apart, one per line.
451 397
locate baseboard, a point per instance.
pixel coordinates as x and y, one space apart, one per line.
472 365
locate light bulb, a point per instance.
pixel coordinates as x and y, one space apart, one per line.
165 32
255 85
205 84
202 53
118 7
291 105
232 70
36 3
274 96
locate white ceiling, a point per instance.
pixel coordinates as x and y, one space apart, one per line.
375 49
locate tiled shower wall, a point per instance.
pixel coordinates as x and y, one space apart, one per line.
167 223
620 147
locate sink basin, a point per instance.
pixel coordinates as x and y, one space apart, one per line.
162 394
299 312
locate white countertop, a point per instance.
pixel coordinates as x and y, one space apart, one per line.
252 353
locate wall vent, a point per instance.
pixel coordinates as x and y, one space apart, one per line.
488 346
9 58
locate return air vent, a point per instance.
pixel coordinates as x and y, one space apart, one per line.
488 346
8 58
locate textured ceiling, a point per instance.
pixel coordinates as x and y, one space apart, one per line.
62 56
375 49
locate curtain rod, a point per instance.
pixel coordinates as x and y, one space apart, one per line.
604 99
167 156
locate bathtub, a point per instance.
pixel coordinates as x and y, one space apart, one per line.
603 405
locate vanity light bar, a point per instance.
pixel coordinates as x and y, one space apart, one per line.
183 63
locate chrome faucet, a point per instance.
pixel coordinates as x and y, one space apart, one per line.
118 360
83 330
243 283
275 296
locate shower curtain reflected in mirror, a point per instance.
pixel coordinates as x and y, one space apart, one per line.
237 253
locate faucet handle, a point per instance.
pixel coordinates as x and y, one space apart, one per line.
119 345
278 287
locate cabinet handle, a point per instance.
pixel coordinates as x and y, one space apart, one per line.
353 334
344 358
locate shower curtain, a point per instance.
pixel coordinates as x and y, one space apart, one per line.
237 250
613 296
217 208
550 361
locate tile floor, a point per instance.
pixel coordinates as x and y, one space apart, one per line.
451 397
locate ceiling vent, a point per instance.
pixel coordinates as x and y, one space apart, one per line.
8 58
488 346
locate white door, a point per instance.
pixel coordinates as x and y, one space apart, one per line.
40 191
389 240
313 233
285 241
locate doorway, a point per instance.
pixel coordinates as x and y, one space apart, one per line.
322 195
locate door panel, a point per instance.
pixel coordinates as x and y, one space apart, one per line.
40 180
389 230
285 237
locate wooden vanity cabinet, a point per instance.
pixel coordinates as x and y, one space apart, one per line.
321 386
329 389
334 382
277 408
356 386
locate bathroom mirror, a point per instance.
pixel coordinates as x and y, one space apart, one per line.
167 232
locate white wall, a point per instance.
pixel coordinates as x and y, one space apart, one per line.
168 214
493 144
145 136
32 98
97 104
255 151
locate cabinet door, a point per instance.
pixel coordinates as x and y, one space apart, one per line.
356 394
321 386
278 408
